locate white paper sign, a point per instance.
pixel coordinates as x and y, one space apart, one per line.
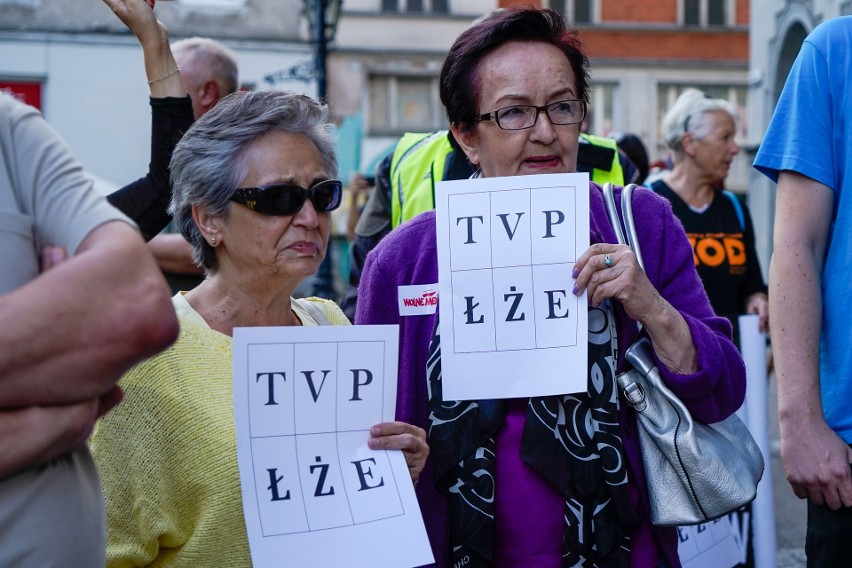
313 492
725 543
717 544
755 414
510 325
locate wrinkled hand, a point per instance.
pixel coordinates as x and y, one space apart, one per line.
816 464
38 434
402 436
624 280
758 303
138 16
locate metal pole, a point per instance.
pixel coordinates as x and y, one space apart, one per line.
323 281
321 47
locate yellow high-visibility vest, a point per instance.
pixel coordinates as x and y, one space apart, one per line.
419 162
615 174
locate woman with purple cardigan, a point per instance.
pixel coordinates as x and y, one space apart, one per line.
548 481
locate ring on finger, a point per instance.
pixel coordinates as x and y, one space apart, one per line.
607 261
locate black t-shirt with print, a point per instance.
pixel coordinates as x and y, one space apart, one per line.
723 250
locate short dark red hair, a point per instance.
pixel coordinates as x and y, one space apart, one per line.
459 75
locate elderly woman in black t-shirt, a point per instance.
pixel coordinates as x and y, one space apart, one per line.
700 132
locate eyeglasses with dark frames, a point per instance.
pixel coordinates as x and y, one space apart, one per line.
520 117
288 199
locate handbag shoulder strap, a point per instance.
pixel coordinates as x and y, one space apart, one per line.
316 313
626 218
628 235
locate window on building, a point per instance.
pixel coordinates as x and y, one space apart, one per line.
557 6
416 6
603 116
404 103
716 13
692 12
582 11
706 13
575 11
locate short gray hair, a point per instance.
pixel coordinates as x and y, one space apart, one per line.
209 59
688 115
210 160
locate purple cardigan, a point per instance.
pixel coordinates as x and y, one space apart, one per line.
408 255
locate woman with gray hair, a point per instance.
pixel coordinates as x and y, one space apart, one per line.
253 186
700 132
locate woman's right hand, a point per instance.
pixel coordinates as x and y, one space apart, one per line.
138 16
160 65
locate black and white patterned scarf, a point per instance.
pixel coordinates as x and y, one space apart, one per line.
582 428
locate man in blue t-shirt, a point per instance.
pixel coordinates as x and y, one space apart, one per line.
808 151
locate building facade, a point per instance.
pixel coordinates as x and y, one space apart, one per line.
81 66
86 70
387 55
776 38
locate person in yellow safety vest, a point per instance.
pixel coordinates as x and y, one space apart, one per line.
405 187
420 159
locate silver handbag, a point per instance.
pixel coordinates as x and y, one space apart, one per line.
695 472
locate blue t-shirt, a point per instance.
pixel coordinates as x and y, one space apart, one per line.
808 134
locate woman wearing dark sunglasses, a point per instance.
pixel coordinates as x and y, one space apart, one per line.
253 187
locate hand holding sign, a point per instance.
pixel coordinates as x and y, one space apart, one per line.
402 436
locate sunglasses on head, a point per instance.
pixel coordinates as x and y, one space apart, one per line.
288 199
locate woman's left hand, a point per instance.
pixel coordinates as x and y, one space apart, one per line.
612 271
402 436
620 277
758 303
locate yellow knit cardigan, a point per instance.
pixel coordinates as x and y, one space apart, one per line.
167 454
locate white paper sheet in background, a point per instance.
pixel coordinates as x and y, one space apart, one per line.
313 493
755 414
510 325
711 545
726 542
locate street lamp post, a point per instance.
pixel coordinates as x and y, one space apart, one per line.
322 24
321 16
320 48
